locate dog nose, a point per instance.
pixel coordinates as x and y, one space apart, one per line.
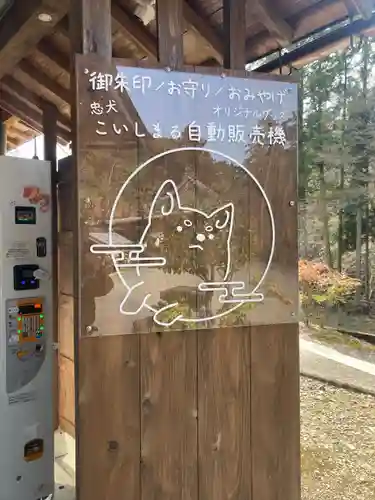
200 237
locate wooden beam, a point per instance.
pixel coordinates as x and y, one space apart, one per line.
13 142
205 30
63 27
20 135
14 87
363 8
234 12
31 119
313 49
48 51
90 27
307 21
21 29
50 116
3 137
31 116
169 19
135 30
45 81
273 22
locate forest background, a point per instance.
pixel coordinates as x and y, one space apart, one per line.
337 188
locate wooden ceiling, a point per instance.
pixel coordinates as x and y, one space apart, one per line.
35 55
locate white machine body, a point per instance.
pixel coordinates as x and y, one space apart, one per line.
26 307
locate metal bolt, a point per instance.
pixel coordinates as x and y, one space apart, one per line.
112 445
91 329
292 203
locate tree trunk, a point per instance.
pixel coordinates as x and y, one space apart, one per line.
303 230
325 216
366 55
340 232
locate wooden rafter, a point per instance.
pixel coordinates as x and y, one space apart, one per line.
30 119
135 30
12 141
63 29
5 116
22 30
323 45
45 81
19 134
361 7
141 36
273 22
205 30
12 86
45 48
29 115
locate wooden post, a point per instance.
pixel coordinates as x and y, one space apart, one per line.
3 138
50 144
178 414
224 401
90 27
90 32
273 351
170 29
235 34
169 360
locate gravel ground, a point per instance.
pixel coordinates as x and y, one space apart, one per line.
337 443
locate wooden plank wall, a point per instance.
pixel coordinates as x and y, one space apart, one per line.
213 416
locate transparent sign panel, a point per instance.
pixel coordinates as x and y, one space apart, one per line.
188 199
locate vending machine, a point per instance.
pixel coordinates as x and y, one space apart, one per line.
26 307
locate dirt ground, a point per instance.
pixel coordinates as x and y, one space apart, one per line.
337 443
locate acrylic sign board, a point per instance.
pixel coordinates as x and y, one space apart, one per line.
187 186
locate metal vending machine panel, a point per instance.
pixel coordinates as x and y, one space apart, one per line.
26 384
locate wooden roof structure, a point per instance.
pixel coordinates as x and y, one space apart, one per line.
35 51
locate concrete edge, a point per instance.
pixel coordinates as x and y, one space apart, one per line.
65 453
341 385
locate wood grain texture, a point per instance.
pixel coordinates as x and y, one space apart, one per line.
3 138
275 412
189 411
234 26
66 394
168 412
109 417
169 15
66 333
91 27
224 410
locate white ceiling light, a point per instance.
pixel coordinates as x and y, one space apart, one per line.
44 17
